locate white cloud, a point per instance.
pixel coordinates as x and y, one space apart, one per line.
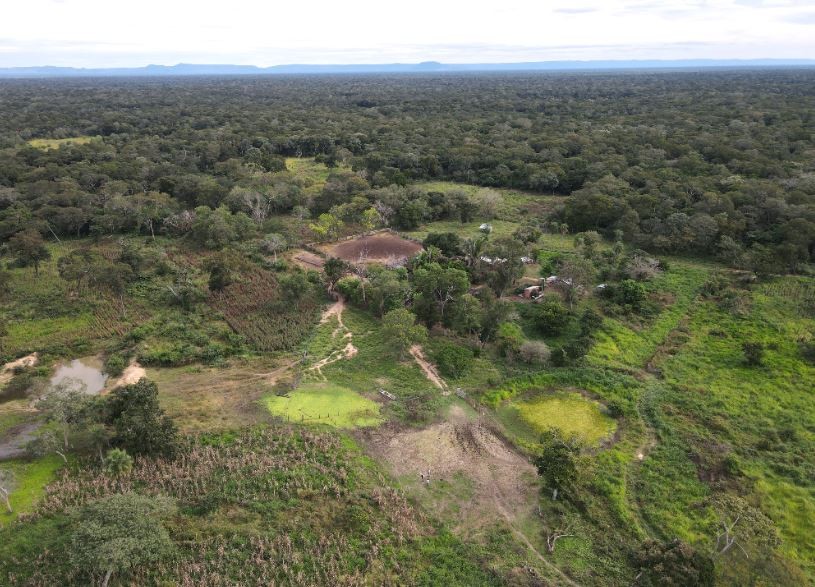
127 33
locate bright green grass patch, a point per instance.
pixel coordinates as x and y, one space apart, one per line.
570 413
46 144
324 403
500 228
30 479
620 345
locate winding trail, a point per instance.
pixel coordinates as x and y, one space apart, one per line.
349 351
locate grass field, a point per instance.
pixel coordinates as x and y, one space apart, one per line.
325 403
30 479
568 412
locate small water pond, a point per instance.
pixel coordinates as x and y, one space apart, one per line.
84 374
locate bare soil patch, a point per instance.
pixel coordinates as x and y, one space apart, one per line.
494 482
383 247
129 376
7 372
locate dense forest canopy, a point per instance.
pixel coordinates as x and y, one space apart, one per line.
716 162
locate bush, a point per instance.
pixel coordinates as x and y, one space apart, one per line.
509 337
753 353
550 316
448 243
452 360
535 352
115 364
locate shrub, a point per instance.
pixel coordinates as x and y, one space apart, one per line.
509 337
753 353
452 360
115 364
535 352
550 316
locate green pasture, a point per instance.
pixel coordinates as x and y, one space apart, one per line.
325 403
568 412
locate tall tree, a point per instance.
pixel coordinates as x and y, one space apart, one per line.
30 249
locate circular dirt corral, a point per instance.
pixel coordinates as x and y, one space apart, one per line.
377 248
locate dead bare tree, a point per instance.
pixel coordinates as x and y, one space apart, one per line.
6 486
566 529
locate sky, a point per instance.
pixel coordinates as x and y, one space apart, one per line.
129 33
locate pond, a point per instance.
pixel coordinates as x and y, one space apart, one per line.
86 375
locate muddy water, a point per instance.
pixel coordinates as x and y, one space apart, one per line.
83 371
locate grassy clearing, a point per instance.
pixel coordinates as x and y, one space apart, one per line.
323 403
720 417
623 345
500 228
30 479
46 144
570 413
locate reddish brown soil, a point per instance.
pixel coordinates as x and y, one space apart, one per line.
377 248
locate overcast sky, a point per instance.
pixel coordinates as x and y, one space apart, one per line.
94 33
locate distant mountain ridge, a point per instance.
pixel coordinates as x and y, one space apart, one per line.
187 69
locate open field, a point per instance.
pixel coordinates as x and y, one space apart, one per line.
322 403
46 144
568 412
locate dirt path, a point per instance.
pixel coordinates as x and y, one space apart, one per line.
349 351
429 369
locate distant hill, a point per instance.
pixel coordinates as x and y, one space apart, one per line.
184 69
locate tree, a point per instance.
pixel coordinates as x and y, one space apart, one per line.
220 274
400 330
184 291
448 243
120 532
29 248
152 208
535 352
327 227
214 229
67 405
673 563
333 269
557 461
140 425
273 244
46 443
506 266
576 277
439 287
473 251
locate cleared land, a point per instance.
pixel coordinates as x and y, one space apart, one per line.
333 405
570 413
383 247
